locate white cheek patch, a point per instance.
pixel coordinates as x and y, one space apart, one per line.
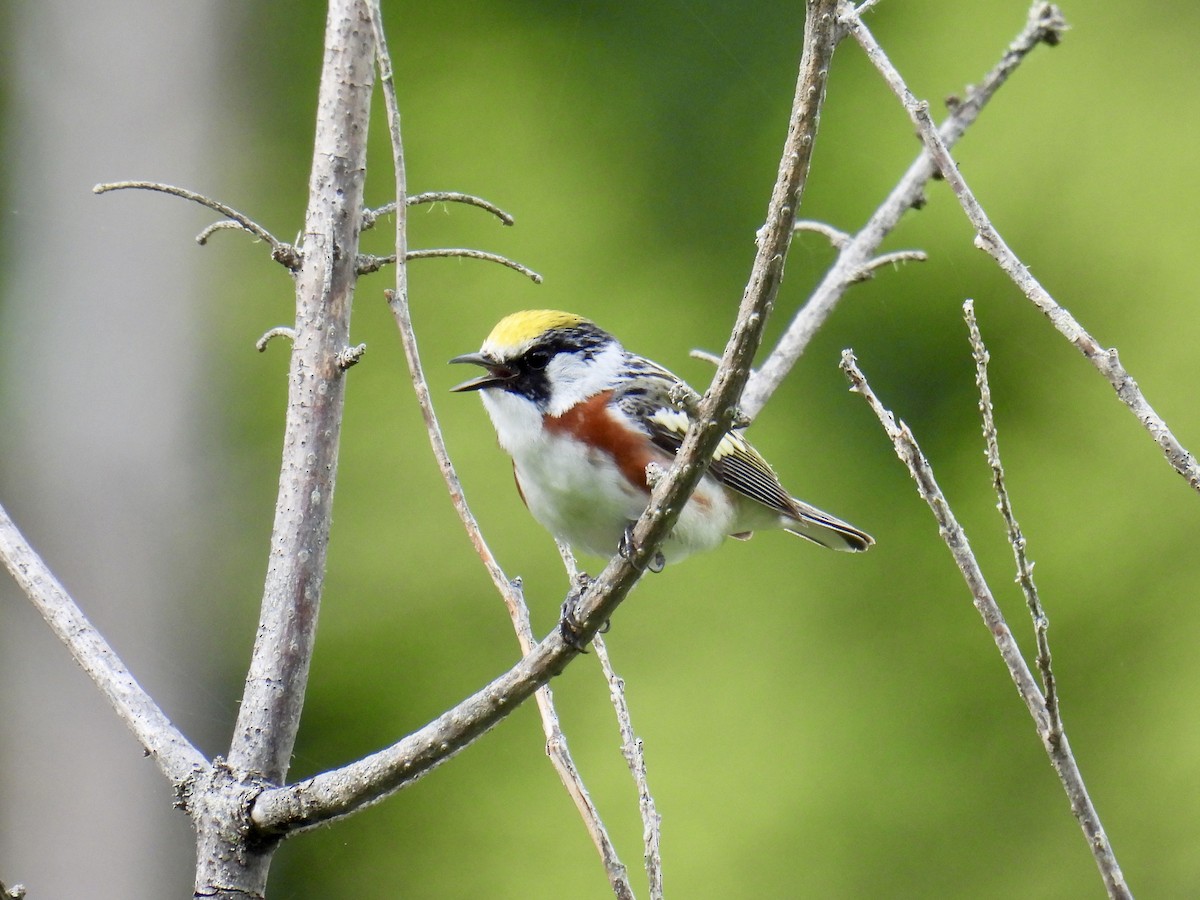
574 379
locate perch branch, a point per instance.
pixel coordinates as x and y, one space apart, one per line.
1044 25
162 741
989 239
1057 747
339 792
1015 538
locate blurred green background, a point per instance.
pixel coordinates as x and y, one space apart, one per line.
815 724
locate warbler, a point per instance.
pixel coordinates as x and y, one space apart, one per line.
583 419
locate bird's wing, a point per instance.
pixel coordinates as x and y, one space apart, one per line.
661 403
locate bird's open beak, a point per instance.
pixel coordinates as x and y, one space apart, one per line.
496 374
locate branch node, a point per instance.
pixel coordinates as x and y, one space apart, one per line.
277 331
350 355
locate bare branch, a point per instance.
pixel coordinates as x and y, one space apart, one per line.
867 272
1044 25
1015 538
1056 745
269 715
989 240
371 216
339 792
279 331
280 251
175 755
836 237
635 757
368 264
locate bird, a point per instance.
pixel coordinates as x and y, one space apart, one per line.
586 421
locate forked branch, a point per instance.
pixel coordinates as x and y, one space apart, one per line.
1053 741
989 239
339 792
1043 25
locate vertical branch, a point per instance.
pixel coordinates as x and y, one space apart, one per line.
270 711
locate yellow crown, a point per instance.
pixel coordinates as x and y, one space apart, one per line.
522 327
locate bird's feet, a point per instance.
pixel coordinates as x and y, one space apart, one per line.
626 548
569 625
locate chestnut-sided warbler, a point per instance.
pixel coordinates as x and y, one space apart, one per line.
583 419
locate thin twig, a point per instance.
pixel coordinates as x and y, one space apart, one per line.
371 216
338 792
368 264
1015 538
867 272
279 331
635 758
510 590
166 744
631 748
836 237
1043 25
280 251
989 239
1059 751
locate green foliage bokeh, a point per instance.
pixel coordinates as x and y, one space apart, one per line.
815 724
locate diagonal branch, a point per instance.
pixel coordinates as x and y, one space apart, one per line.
1015 538
1044 25
175 755
989 240
339 792
1054 742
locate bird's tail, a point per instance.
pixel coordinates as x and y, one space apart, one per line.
829 531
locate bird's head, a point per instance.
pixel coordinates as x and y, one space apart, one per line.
553 359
